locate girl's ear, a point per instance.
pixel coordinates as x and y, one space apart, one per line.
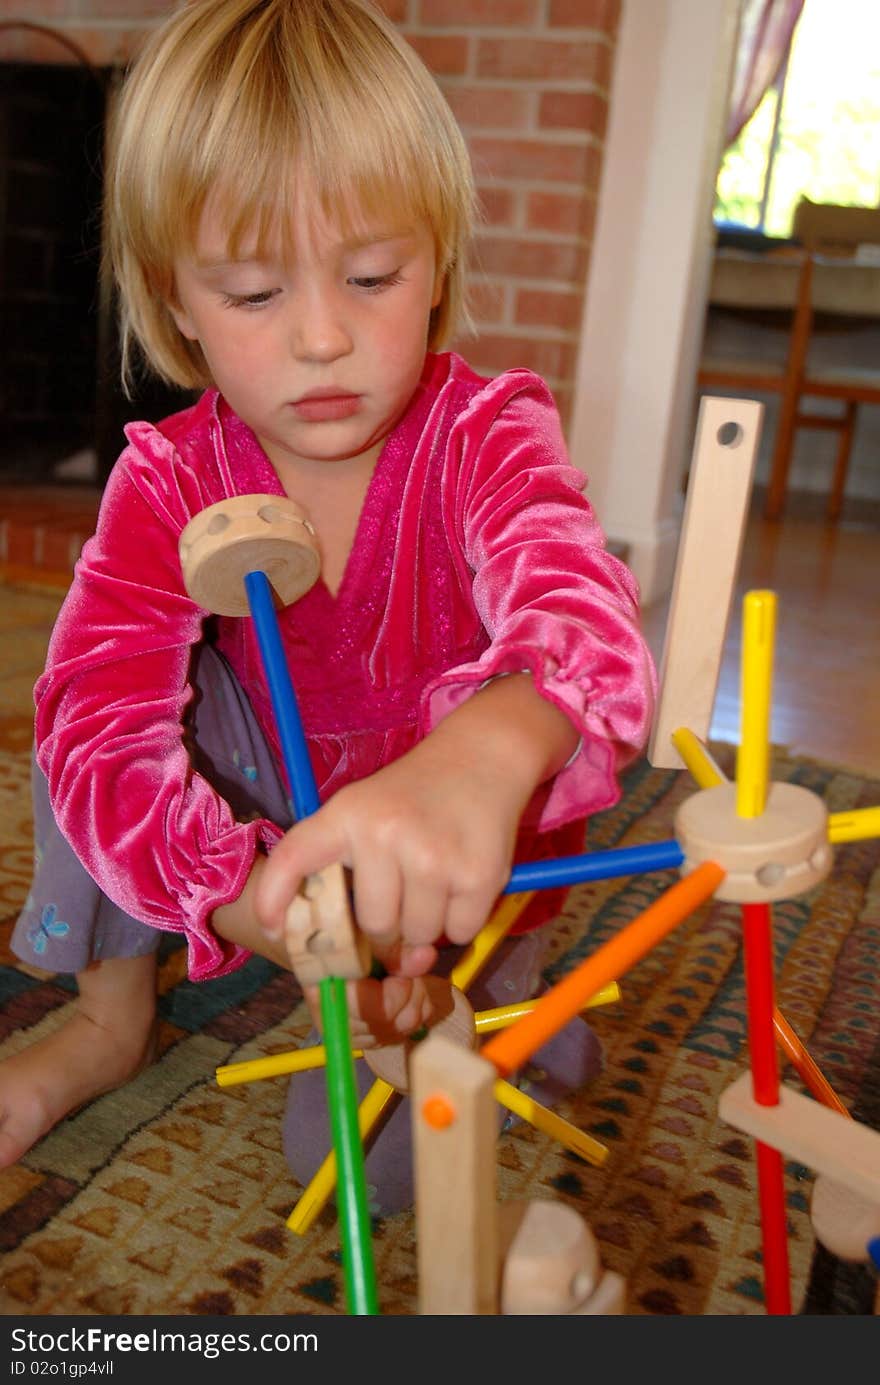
184 322
439 285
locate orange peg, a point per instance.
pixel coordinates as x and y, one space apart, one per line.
811 1075
513 1047
438 1111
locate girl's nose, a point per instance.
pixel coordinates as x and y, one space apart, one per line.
319 332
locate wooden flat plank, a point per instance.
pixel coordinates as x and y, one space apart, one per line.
456 1215
709 549
801 1128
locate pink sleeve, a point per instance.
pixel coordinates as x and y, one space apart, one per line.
157 838
554 601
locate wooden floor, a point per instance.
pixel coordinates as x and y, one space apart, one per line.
826 680
826 697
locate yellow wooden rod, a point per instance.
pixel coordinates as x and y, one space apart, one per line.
487 1021
697 759
753 757
304 1059
855 825
488 939
279 1064
314 1198
568 1135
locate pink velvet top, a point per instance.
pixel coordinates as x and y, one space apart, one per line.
476 554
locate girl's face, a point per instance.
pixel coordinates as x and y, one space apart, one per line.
319 353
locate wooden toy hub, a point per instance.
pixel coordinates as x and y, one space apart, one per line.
549 1256
248 533
391 1062
778 855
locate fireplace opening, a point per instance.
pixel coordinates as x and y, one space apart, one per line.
62 407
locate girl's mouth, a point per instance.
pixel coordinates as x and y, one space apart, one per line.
326 408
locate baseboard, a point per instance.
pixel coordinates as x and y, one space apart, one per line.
812 505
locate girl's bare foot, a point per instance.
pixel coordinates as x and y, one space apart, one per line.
108 1039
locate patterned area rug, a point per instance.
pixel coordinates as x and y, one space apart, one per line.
170 1196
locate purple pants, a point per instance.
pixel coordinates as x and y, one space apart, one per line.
67 922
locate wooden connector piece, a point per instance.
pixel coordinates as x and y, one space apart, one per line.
321 935
549 1258
455 1178
248 533
780 854
391 1062
843 1221
831 1144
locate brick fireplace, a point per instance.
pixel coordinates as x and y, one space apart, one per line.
528 80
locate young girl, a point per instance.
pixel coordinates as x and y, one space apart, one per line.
290 203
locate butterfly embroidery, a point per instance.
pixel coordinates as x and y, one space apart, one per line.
49 927
249 771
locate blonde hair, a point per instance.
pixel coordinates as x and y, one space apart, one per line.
240 98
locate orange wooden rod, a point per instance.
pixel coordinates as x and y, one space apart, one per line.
513 1047
814 1079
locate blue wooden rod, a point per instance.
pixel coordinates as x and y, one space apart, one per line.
303 788
594 865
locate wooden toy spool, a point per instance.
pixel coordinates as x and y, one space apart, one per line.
248 533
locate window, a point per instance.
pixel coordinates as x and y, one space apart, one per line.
816 132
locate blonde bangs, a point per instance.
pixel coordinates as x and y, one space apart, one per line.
264 109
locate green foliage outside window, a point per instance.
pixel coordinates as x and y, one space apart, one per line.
828 142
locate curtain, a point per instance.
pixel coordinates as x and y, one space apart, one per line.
765 34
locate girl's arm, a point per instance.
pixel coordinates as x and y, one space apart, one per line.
110 708
552 597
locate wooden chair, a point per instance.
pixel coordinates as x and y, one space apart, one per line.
748 345
761 290
789 288
833 283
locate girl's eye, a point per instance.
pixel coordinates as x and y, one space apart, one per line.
374 283
248 300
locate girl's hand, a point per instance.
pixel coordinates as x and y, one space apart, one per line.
429 848
429 839
389 1011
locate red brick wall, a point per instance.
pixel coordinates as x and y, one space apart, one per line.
106 31
528 80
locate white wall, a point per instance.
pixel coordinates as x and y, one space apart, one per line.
633 417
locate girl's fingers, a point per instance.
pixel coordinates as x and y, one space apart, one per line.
467 914
389 1011
312 997
309 846
423 907
438 1002
406 959
376 887
373 1010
